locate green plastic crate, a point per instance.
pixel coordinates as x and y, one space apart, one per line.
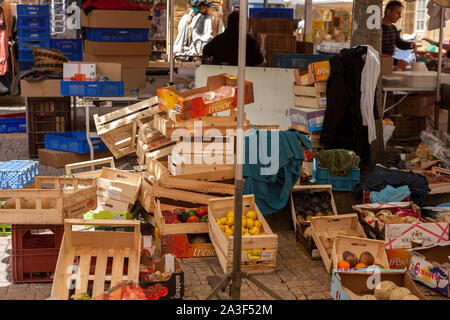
107 215
5 230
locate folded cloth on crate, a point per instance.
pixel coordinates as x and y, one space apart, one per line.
33 76
380 177
338 161
272 188
390 194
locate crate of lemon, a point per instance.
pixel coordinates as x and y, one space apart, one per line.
259 243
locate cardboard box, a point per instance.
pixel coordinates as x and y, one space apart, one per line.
125 61
431 267
182 247
387 65
171 289
79 71
59 159
421 105
312 119
133 78
118 48
398 258
44 88
116 19
276 41
171 98
407 126
351 285
316 72
113 71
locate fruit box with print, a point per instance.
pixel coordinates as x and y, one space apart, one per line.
431 266
171 289
315 72
353 284
191 108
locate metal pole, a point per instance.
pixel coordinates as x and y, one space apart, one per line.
171 26
237 243
438 90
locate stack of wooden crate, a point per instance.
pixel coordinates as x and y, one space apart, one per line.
274 35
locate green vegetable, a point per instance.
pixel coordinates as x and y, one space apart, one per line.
81 296
192 213
204 219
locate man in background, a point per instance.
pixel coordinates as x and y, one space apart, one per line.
391 36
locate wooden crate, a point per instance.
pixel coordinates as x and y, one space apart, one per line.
176 228
85 164
330 227
81 246
119 129
313 188
118 185
168 123
156 150
259 253
357 246
106 204
49 201
193 169
313 96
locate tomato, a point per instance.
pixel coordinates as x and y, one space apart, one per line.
193 219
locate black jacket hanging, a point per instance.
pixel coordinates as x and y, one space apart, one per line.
342 126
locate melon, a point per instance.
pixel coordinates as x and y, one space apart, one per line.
368 297
385 289
399 293
410 297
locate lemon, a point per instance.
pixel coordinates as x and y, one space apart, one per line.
229 232
244 230
244 222
232 228
255 231
223 220
258 224
230 214
218 221
222 227
262 234
230 221
250 223
246 234
252 215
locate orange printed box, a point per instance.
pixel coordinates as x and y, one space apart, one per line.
316 72
218 95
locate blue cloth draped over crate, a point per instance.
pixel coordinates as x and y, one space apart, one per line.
390 194
272 188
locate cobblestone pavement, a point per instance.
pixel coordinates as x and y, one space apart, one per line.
297 277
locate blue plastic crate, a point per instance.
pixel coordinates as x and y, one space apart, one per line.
40 43
26 65
16 174
67 45
297 61
32 10
77 56
72 141
271 13
34 32
26 55
119 35
92 88
339 183
10 125
25 21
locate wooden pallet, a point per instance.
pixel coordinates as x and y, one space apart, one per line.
118 185
259 253
310 96
81 246
49 201
119 129
85 164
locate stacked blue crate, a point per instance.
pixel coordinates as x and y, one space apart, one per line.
33 26
16 174
71 48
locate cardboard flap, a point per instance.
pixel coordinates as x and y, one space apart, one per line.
438 254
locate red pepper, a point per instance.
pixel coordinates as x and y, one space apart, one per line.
193 219
202 211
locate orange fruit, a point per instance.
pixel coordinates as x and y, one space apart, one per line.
360 265
342 264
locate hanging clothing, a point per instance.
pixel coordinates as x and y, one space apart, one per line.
343 125
4 47
182 38
194 31
434 13
90 5
272 191
369 82
217 25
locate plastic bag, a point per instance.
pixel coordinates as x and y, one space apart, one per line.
388 130
435 140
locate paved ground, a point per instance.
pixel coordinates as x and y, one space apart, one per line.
296 276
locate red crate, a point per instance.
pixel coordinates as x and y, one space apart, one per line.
366 197
34 256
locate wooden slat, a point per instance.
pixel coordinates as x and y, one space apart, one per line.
124 111
63 290
161 192
100 272
84 267
117 268
196 185
133 266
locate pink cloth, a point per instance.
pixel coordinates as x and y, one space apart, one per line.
4 52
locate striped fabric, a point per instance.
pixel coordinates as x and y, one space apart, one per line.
391 39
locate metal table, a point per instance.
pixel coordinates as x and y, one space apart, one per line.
405 91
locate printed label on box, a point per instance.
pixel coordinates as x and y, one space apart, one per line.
429 274
400 236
